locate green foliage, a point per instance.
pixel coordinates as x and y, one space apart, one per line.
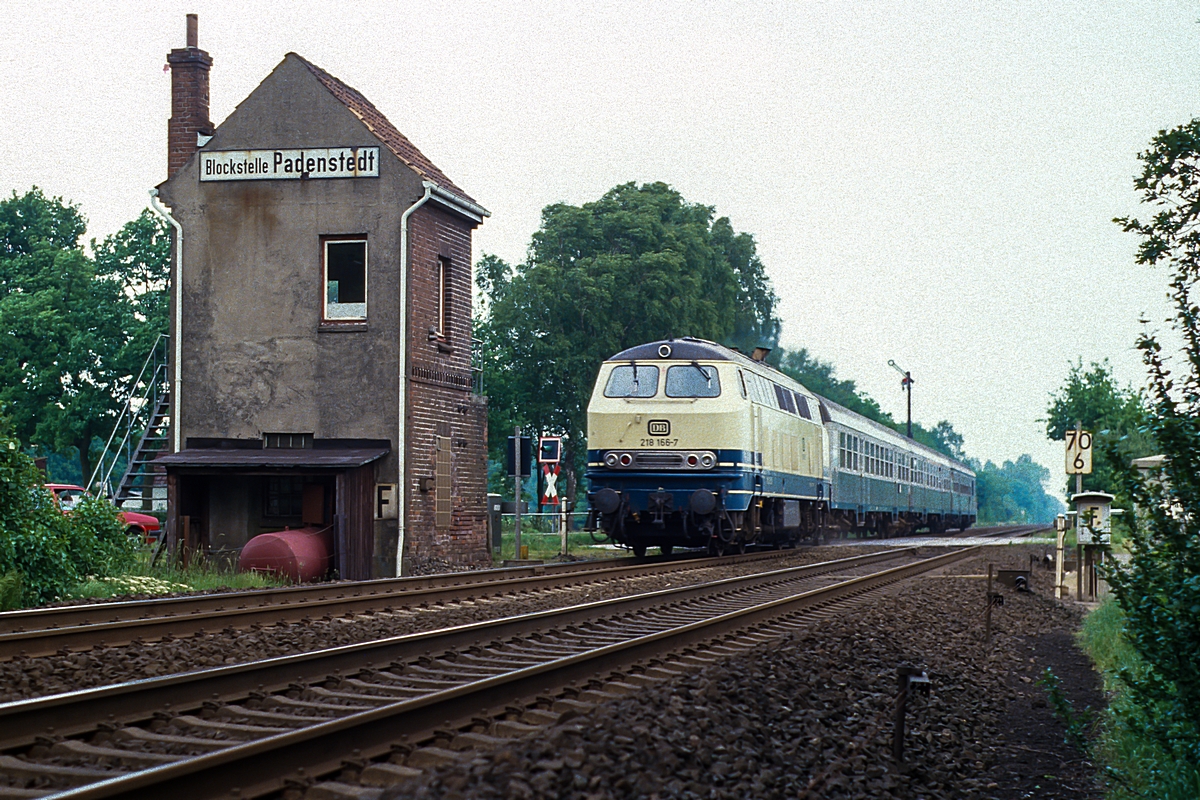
52 551
1137 764
1115 415
1159 590
74 329
639 264
11 589
1076 723
1014 492
138 257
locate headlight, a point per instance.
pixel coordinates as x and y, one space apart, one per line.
610 460
707 460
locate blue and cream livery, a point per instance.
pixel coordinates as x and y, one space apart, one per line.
693 444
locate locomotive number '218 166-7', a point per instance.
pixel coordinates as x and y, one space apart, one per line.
658 443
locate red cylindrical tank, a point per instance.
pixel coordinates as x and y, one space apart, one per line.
303 554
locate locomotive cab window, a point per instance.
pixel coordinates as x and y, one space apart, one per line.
802 406
344 271
632 380
693 380
784 398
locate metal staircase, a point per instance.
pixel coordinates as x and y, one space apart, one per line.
145 419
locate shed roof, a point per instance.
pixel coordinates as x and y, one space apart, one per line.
272 458
384 130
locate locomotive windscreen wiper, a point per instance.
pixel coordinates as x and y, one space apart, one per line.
707 377
635 380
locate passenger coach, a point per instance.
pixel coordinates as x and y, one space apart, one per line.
693 444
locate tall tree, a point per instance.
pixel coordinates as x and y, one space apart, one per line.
1115 415
1014 492
138 257
641 263
68 330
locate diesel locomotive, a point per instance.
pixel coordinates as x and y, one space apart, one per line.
692 444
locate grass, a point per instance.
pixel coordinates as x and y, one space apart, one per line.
1137 766
198 576
543 546
539 533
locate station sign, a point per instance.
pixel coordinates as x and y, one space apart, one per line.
268 165
1079 452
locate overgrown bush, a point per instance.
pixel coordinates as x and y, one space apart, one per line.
1138 764
1159 590
49 550
11 587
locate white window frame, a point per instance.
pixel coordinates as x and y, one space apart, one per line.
350 239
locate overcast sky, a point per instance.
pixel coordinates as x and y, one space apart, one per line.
927 182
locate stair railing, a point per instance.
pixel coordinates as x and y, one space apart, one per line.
130 417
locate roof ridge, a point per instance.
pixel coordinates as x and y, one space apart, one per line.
382 128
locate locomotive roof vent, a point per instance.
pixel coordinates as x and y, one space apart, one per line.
760 353
664 351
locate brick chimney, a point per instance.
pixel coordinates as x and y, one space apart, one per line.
189 99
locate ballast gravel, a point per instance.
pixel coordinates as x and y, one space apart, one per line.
36 677
811 715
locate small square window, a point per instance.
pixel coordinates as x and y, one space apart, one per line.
345 280
283 497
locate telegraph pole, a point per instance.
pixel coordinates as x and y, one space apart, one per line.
905 384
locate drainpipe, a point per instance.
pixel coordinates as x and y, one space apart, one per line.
177 357
401 436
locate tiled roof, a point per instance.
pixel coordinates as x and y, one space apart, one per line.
385 131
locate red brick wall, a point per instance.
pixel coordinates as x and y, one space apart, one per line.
189 104
440 402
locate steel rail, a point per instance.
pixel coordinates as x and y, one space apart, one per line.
261 766
73 713
115 624
217 612
32 619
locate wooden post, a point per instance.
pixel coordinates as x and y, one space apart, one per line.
1079 569
172 532
1058 565
988 614
562 522
517 491
185 552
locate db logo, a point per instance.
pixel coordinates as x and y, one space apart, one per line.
659 427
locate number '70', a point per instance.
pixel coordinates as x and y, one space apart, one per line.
1079 441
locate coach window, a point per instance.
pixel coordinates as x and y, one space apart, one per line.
693 380
344 268
632 380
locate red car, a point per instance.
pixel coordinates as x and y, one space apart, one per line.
143 525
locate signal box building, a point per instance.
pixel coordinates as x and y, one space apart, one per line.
321 328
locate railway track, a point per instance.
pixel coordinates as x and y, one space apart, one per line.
41 632
344 712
